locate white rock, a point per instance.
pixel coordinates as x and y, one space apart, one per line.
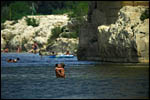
40 33
128 32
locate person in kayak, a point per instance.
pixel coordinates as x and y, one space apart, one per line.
53 53
60 72
67 53
13 60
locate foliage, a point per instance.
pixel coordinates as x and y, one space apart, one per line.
80 10
63 28
70 35
19 9
55 34
4 14
24 41
60 11
2 26
145 15
32 21
14 10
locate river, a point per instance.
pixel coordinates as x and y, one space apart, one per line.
34 77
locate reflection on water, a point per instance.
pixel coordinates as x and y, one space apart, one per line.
83 79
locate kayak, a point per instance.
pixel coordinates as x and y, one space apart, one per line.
61 56
53 56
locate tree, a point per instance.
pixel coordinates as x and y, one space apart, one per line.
19 9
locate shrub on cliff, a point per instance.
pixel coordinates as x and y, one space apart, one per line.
70 35
55 34
145 15
32 21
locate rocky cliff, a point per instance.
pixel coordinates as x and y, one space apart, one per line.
19 33
114 34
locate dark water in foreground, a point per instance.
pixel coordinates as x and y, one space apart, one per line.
33 77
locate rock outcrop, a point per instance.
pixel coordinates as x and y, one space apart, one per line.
61 45
19 33
125 39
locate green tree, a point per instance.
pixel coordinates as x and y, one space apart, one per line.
80 9
19 9
78 15
4 13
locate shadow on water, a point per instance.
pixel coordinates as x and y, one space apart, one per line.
84 80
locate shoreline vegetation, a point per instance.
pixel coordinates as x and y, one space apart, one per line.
13 10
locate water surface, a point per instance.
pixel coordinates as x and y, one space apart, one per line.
34 78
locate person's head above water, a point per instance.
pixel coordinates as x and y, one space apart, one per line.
56 65
9 59
18 58
62 64
59 65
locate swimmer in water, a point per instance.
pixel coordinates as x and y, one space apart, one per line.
13 60
60 72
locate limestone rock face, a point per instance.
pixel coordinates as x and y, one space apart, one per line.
3 43
19 33
127 40
124 40
61 45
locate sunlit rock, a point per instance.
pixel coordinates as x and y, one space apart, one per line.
19 33
114 33
128 38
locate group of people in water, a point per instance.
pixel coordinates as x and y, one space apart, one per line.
19 49
33 50
59 68
13 60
